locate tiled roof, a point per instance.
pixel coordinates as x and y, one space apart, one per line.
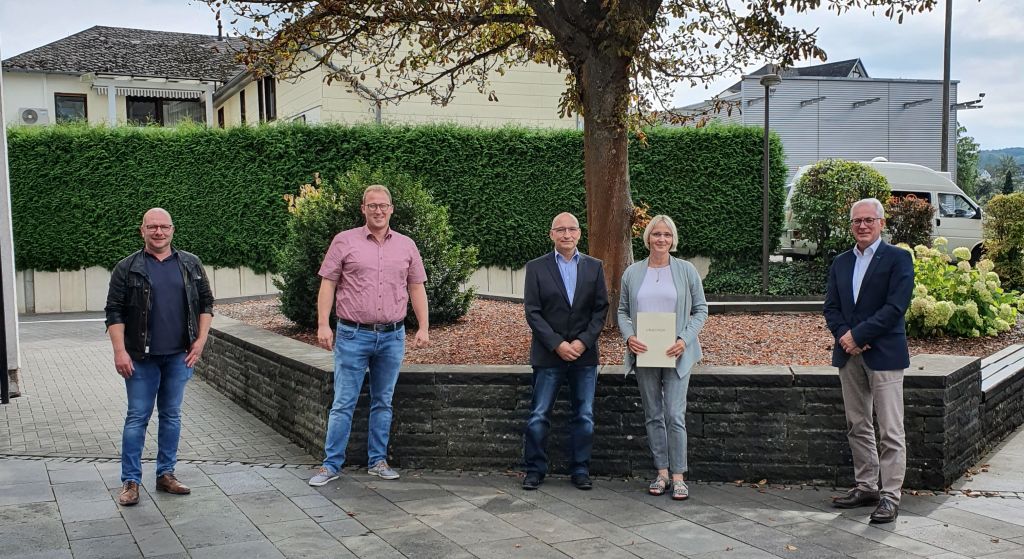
841 69
135 52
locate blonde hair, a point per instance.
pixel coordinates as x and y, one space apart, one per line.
661 218
377 188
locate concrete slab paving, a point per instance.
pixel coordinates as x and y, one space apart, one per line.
60 475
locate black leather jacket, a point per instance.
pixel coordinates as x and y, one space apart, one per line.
128 299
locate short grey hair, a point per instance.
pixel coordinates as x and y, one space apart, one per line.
874 203
574 218
661 218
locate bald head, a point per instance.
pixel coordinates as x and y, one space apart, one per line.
562 219
157 231
155 213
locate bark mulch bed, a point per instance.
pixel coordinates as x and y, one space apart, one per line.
495 333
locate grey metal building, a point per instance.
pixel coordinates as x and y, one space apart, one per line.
837 111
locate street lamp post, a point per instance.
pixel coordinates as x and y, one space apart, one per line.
768 81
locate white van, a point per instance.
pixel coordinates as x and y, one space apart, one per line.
958 217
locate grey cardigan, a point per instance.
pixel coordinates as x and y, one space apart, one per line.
691 310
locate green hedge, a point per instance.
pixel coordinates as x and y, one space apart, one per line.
78 192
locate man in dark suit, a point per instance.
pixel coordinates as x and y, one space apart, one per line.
566 301
869 290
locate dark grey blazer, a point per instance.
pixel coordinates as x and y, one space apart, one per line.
551 318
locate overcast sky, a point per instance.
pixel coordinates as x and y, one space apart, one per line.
988 46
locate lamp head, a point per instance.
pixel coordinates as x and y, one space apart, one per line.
770 80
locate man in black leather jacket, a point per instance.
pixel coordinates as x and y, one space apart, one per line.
159 309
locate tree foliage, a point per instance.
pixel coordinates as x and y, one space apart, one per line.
967 155
823 196
1003 225
621 58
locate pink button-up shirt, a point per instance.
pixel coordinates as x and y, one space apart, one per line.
373 278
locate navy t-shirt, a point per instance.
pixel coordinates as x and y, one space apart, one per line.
167 315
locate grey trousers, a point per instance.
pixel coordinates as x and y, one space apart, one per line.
882 465
663 395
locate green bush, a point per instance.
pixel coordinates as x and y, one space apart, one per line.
1004 237
743 277
322 210
823 196
909 220
501 186
957 300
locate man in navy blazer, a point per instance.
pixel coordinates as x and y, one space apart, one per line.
869 290
566 301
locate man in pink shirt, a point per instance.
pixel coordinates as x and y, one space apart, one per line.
369 275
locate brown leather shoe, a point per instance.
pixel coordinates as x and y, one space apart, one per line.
129 494
170 484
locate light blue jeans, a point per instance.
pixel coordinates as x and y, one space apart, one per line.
663 395
355 351
159 380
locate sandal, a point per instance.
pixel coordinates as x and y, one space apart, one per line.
680 492
658 486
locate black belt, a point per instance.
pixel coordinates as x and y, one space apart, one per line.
389 327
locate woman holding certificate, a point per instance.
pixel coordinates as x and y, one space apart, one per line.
661 311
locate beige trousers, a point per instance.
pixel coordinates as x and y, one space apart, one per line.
882 465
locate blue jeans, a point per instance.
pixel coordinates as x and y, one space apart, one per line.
355 350
160 379
547 381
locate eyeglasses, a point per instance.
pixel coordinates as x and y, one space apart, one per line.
869 221
153 228
564 230
375 207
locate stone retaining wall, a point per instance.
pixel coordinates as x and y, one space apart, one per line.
783 424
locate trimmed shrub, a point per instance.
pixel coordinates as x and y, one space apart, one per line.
323 209
1003 225
823 196
743 277
909 220
957 299
501 186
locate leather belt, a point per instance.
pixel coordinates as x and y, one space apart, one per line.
389 327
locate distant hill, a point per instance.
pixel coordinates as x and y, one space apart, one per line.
988 158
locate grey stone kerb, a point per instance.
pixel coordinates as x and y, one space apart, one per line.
784 424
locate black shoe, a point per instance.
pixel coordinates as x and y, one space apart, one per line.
856 498
582 481
886 512
532 480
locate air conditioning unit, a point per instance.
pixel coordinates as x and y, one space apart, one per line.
34 116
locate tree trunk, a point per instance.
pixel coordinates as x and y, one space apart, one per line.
604 85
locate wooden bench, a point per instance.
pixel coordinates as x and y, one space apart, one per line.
1001 366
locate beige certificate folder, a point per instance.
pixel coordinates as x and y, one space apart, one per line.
657 330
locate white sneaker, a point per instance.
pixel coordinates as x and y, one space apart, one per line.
383 471
322 477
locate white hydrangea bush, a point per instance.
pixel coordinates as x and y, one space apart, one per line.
954 298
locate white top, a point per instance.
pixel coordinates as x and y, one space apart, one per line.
657 292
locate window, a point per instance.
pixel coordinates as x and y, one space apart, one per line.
954 205
926 196
241 102
267 89
70 107
220 117
164 112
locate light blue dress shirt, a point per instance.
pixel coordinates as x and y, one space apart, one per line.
567 268
860 267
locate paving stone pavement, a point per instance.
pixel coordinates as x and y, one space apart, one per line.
75 402
60 503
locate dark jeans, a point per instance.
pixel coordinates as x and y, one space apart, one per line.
546 383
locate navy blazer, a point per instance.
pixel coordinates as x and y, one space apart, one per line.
551 318
877 319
